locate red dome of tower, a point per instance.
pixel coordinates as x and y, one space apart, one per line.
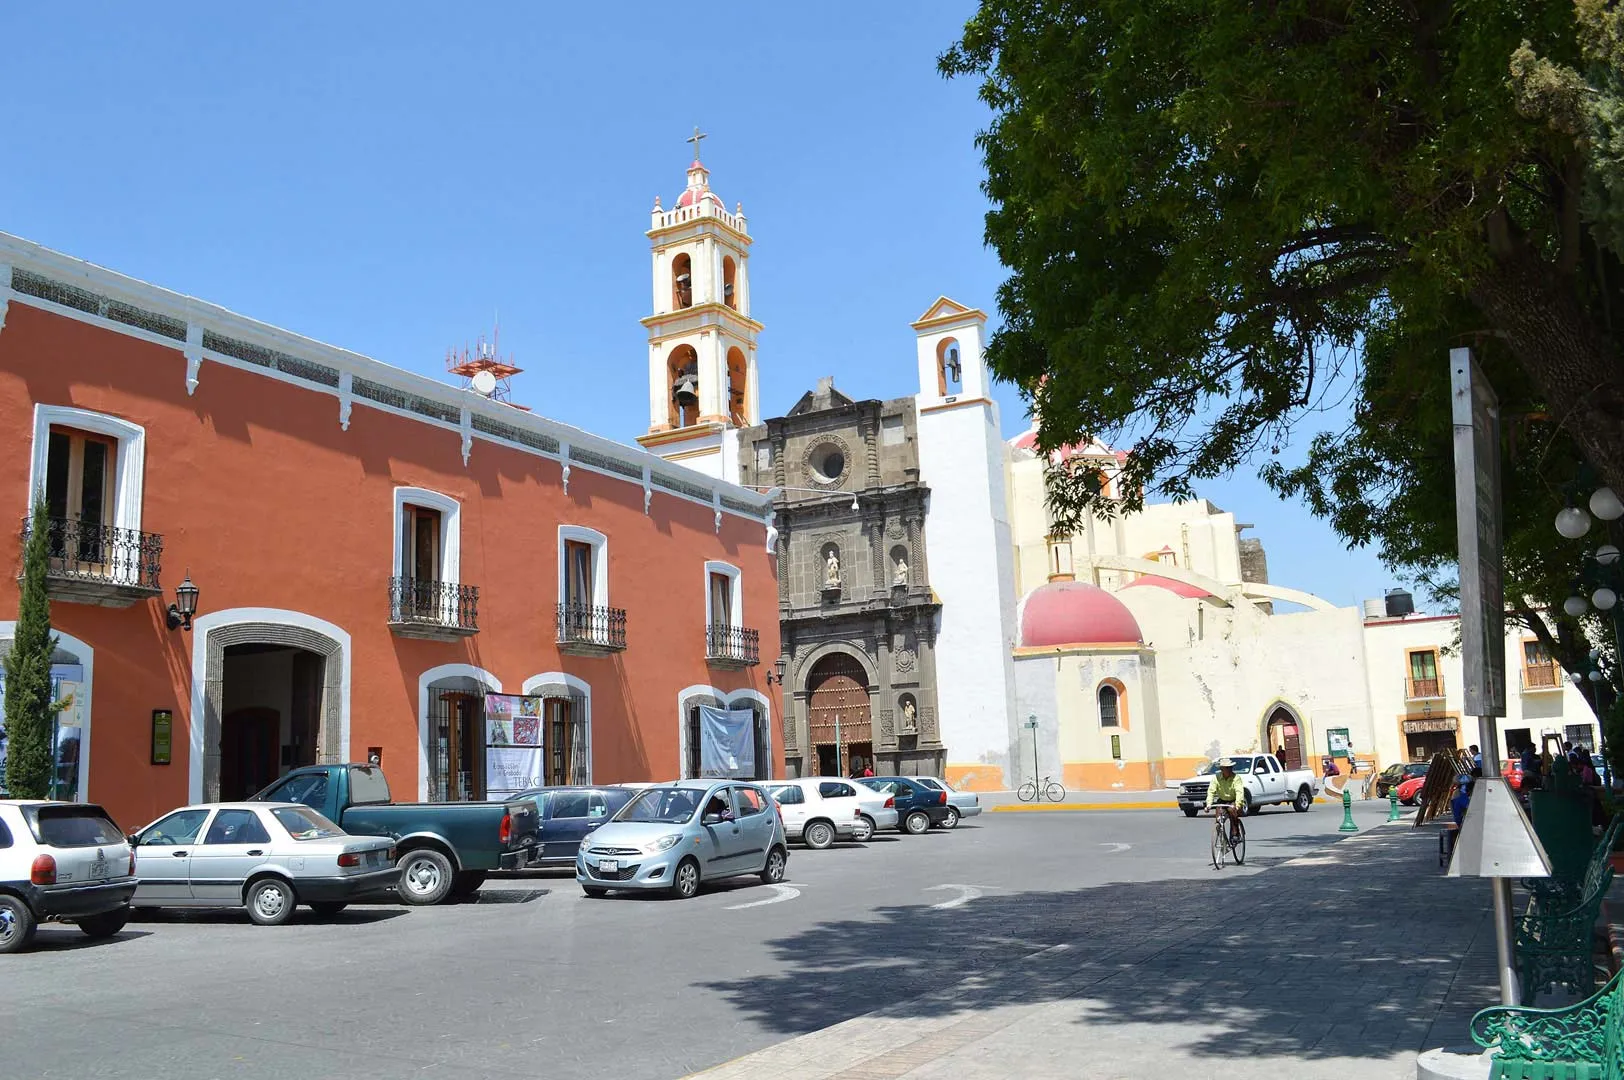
1077 613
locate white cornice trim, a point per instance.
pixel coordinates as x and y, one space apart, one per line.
199 315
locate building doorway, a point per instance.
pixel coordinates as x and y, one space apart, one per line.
838 714
1284 737
762 745
270 715
1427 737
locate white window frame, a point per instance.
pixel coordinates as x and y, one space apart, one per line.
129 468
736 595
600 561
450 570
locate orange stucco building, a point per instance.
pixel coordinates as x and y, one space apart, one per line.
375 553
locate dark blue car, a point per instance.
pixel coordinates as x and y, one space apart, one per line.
568 816
918 807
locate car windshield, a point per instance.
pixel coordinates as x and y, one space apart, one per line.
670 805
75 826
303 823
1242 765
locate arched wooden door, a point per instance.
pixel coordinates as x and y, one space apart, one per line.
1284 739
838 691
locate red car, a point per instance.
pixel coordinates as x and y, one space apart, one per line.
1512 771
1410 789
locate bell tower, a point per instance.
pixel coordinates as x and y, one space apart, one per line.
701 338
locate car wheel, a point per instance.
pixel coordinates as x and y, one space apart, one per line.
685 882
17 924
106 924
425 877
467 883
1303 801
864 830
1250 807
819 835
594 892
1189 811
773 872
269 901
328 908
917 823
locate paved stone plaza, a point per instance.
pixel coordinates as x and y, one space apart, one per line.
1028 945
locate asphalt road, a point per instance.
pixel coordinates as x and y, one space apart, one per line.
534 979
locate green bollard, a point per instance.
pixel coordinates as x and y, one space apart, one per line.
1347 812
1392 798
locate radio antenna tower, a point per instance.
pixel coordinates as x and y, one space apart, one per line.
484 370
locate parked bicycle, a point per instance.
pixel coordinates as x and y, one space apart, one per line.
1029 791
1228 841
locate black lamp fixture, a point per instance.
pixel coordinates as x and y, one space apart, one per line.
781 664
185 605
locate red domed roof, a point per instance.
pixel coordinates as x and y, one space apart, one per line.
1192 592
692 196
1076 613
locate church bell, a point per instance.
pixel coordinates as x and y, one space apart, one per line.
685 389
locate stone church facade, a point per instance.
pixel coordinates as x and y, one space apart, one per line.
857 615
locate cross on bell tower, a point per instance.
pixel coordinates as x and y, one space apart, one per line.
702 340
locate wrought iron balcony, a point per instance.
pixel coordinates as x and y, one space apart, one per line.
1430 689
591 631
92 563
731 646
438 610
1537 677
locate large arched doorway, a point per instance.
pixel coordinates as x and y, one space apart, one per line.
270 714
838 717
1283 737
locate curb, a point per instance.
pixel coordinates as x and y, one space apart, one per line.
1038 808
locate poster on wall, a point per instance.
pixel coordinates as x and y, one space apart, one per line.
513 751
1337 742
727 743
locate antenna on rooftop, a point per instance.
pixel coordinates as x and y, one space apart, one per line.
484 369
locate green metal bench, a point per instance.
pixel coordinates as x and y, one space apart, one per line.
1577 858
1579 1042
1554 947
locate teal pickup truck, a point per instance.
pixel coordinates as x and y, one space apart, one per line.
442 849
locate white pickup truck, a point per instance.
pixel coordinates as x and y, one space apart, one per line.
1266 781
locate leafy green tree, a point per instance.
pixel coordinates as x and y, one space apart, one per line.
1208 208
28 704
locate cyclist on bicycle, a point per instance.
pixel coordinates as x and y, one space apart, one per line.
1228 795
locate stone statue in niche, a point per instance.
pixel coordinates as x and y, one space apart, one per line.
831 569
899 576
909 723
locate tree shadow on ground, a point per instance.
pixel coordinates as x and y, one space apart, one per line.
1350 951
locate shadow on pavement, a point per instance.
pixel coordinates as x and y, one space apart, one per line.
1349 952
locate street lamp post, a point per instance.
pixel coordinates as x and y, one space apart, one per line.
1599 577
1032 726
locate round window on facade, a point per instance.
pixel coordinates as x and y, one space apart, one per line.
828 463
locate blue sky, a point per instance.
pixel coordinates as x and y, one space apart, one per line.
386 177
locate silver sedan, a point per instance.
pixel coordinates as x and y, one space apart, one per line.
961 804
265 857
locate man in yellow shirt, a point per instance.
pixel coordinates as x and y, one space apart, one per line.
1228 794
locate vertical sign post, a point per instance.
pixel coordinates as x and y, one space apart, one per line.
1491 844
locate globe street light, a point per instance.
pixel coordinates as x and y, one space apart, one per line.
1572 522
1575 605
1606 555
1604 598
1606 505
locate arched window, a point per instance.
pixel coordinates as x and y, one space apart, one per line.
736 390
683 372
730 295
949 370
682 282
1110 699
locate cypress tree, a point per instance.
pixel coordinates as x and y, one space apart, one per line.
28 704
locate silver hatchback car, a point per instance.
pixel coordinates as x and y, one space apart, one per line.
676 836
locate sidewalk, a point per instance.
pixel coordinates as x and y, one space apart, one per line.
1344 962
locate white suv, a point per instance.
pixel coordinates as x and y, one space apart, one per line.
818 809
64 861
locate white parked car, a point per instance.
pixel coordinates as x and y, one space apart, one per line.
264 856
65 861
817 810
960 804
